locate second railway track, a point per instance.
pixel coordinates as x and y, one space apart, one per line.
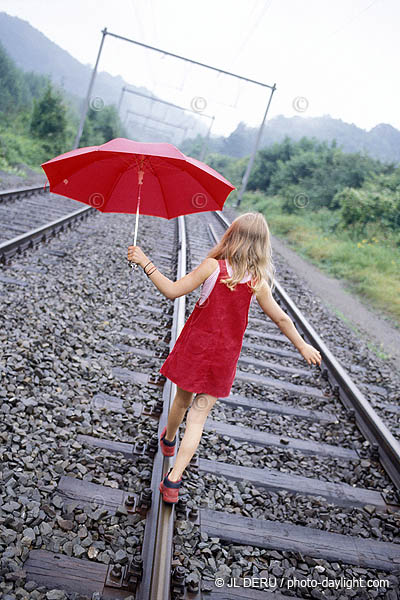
30 216
283 487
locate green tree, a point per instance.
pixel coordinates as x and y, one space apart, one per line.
239 142
193 146
36 85
49 121
101 126
12 85
266 163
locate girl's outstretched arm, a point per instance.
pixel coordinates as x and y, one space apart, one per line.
286 325
173 289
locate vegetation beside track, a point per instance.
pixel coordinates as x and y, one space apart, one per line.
39 120
371 264
340 211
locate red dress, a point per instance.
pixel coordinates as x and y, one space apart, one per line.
205 355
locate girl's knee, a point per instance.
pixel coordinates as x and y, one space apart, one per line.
202 404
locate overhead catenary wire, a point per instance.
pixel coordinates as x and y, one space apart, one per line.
309 53
257 22
139 22
353 18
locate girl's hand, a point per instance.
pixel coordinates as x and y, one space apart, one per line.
136 255
311 354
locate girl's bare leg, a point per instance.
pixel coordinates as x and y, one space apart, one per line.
196 417
177 411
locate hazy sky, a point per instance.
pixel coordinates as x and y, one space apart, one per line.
342 56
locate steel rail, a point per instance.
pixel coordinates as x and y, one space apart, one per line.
22 192
33 237
157 543
370 424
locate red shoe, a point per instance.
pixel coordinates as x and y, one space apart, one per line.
170 489
167 447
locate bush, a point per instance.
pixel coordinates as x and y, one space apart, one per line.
231 168
312 168
17 148
370 205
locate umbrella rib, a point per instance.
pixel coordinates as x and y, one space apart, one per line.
81 168
163 196
202 184
116 182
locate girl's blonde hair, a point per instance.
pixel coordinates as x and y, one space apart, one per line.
247 246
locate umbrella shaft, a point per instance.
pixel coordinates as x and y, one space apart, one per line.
137 215
136 226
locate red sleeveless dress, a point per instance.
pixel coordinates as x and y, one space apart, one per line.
205 355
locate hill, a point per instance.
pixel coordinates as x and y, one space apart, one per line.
381 142
33 51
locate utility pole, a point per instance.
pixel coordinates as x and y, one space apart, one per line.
188 60
253 154
120 100
205 141
89 92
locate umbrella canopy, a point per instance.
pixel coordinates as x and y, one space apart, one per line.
115 177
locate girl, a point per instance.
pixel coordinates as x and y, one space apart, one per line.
203 361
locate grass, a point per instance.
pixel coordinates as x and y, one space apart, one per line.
370 265
18 150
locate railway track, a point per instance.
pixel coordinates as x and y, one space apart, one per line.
283 487
30 216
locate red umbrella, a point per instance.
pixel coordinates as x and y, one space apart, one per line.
124 176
